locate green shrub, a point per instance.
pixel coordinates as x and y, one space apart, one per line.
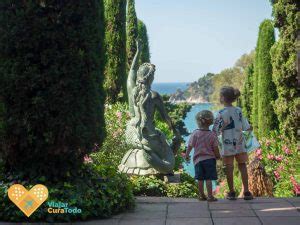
187 188
148 186
247 93
115 48
266 92
284 56
99 191
131 32
50 84
183 190
143 37
154 186
114 146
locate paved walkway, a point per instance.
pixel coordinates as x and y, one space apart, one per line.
182 211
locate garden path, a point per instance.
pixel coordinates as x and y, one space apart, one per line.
183 211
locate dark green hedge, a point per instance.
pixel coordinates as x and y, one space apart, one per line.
267 119
50 83
132 32
98 190
284 57
247 93
143 37
115 48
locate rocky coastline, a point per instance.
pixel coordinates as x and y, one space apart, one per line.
180 97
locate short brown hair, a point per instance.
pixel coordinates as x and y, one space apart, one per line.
230 94
204 117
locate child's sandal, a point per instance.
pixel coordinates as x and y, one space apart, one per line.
248 195
212 199
202 198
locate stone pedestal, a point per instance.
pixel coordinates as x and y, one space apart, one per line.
172 178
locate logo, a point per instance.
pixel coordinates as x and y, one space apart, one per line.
28 201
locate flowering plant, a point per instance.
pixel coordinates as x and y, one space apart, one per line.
281 160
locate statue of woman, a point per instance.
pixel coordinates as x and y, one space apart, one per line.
150 153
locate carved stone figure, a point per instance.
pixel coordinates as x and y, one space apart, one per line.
150 152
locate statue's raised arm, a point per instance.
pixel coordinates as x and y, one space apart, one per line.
131 80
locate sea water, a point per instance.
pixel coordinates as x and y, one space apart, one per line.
168 88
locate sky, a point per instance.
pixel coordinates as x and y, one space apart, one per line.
189 38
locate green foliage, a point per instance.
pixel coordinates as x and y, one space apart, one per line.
50 84
143 37
178 113
114 146
99 191
153 186
148 186
228 77
245 60
234 76
182 190
284 55
254 107
222 189
115 49
281 160
132 32
266 93
247 92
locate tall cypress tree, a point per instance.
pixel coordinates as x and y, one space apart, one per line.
267 119
132 31
254 110
50 84
115 48
284 54
247 92
143 37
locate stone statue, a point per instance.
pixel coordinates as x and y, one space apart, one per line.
150 152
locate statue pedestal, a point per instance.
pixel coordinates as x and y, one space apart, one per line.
172 178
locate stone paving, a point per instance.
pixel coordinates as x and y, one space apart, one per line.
183 211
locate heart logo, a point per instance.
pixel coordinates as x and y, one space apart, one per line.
28 201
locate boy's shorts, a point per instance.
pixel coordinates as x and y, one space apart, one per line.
206 170
240 158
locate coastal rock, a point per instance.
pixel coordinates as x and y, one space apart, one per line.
190 96
177 97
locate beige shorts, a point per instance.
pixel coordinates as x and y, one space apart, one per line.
240 158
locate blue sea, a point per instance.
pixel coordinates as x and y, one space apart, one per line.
169 88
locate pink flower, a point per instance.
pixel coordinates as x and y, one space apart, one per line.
87 159
258 151
258 154
217 190
279 158
286 150
222 184
270 157
183 154
119 115
277 175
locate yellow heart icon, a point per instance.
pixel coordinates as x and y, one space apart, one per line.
28 201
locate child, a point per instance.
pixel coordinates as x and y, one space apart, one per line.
205 144
231 123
